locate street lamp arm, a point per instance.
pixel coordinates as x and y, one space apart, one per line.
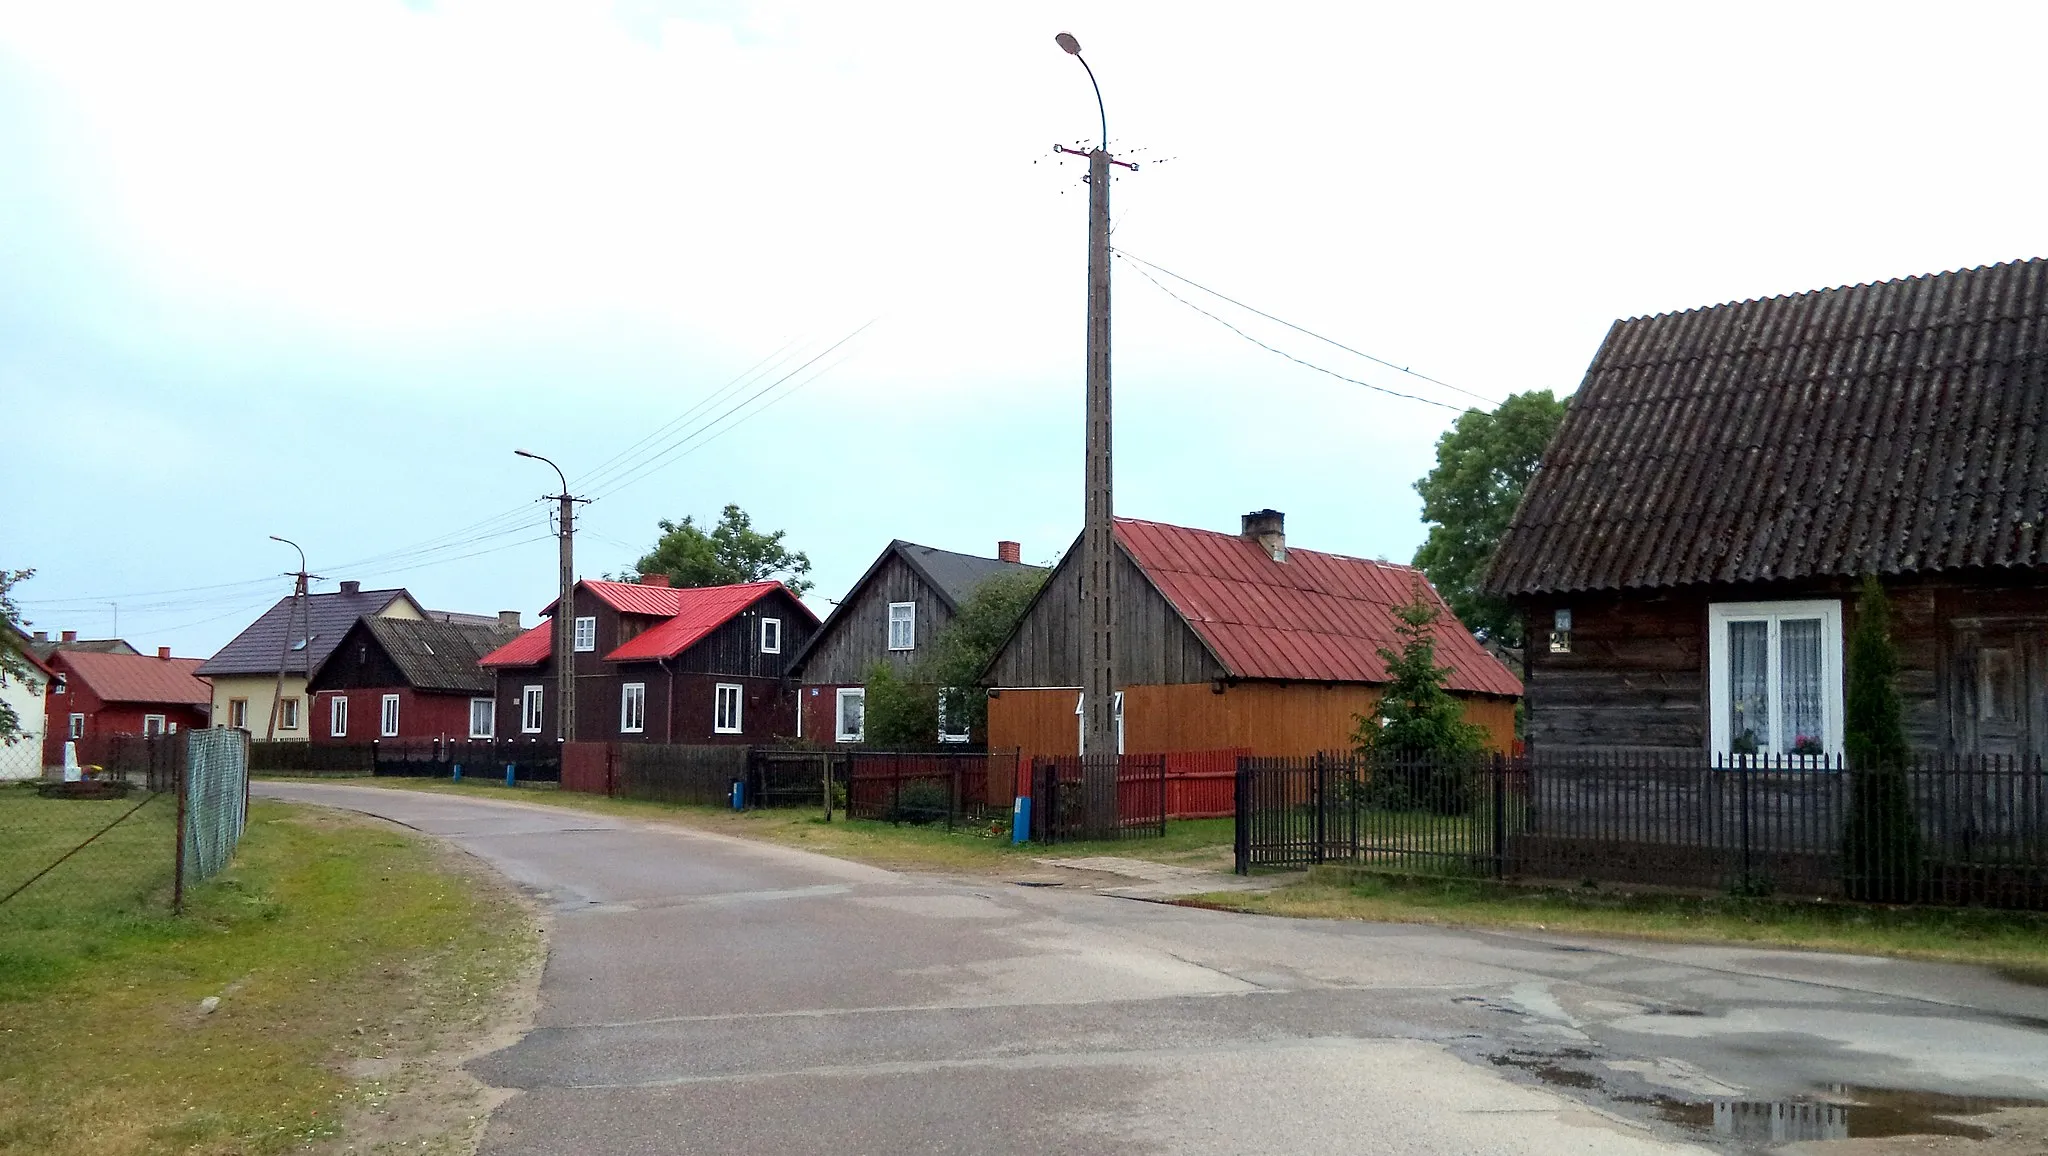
551 464
1100 108
293 545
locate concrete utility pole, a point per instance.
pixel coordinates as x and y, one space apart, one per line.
297 610
1098 542
565 609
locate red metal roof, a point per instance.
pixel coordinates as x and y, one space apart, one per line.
698 612
692 613
1313 618
137 677
529 649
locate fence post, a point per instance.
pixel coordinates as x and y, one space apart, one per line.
178 878
825 773
1318 796
953 800
1162 796
1745 829
1240 834
1500 814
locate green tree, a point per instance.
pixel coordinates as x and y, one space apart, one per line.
1881 840
901 709
1421 753
14 663
728 553
1483 463
969 642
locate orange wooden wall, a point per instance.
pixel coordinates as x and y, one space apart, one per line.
1266 718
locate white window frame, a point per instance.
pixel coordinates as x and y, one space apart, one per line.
149 731
771 636
288 713
59 685
1719 616
839 733
586 635
1081 720
238 713
532 709
337 717
387 717
77 728
633 708
718 701
945 736
909 622
490 729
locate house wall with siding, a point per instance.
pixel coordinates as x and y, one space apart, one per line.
421 714
1636 677
258 689
1268 718
1154 644
858 634
102 718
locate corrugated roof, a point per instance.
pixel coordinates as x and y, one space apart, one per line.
257 648
440 655
137 677
529 649
691 612
954 576
699 611
1886 428
48 647
1316 617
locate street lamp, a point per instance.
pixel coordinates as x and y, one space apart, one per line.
297 610
565 609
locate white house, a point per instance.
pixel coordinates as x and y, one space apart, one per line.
23 759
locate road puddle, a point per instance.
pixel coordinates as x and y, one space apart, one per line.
1836 1112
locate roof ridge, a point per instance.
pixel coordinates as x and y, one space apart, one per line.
1793 296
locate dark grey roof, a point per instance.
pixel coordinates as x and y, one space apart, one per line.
955 576
256 649
43 650
440 655
1887 428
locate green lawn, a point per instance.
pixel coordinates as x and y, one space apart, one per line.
330 941
2015 942
127 870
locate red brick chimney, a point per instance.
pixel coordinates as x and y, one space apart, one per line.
163 652
653 579
1007 551
70 636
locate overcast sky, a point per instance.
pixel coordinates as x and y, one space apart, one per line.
315 270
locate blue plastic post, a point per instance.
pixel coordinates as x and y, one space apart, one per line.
1020 820
739 794
509 780
458 772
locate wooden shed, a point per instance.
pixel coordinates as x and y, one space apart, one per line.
1229 641
1688 553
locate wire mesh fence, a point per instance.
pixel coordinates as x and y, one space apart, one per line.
124 835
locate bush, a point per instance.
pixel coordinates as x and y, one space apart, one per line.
1438 784
920 802
1881 840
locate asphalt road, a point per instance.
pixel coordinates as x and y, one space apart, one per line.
710 995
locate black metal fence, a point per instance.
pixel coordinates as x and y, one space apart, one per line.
530 761
1098 797
277 757
1943 830
953 787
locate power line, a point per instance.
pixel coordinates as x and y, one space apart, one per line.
1133 257
596 474
1289 356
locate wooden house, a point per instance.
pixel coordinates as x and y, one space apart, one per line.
1229 641
660 664
892 614
244 673
1687 556
402 678
95 695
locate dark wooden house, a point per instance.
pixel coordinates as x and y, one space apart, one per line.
1229 641
404 678
661 664
892 614
1688 554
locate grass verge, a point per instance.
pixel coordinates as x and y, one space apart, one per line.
2014 942
338 948
1187 842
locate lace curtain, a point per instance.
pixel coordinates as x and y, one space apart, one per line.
1749 718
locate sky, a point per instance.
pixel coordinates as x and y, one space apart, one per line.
316 270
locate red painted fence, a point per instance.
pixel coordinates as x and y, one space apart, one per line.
1202 784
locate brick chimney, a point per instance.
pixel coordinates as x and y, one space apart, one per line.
164 652
1268 530
351 586
1007 551
70 636
42 636
653 579
509 618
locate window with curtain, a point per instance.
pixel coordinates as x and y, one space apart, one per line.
1775 678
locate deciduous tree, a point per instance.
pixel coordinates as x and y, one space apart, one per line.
14 663
730 552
